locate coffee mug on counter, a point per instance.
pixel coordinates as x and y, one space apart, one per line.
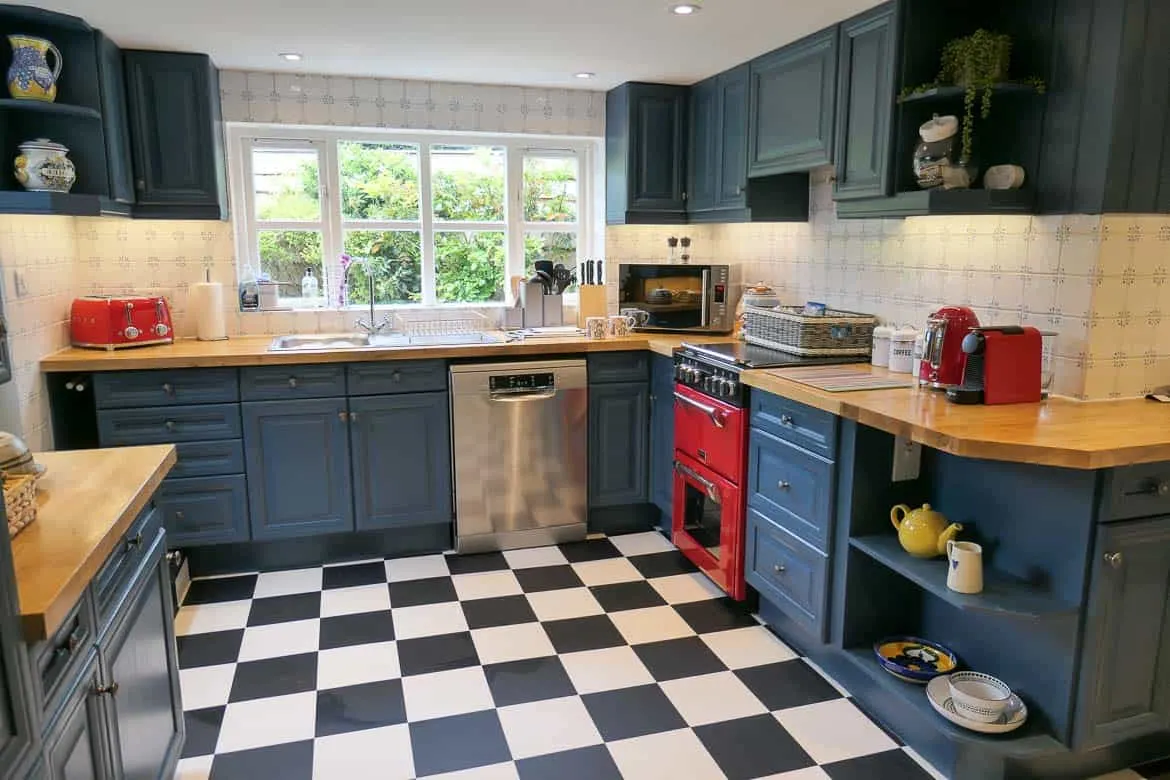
964 567
638 317
595 327
619 325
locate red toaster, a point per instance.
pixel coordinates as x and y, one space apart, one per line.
115 322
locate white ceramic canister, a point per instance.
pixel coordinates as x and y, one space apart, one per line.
881 345
44 165
902 350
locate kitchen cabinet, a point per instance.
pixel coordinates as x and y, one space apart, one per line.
75 748
662 435
703 151
732 182
645 154
115 121
205 510
16 697
176 135
618 444
1125 670
792 106
718 153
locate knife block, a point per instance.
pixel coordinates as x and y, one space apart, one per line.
591 303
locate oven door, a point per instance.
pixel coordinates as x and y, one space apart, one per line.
711 432
708 524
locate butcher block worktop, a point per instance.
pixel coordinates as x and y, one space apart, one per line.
85 502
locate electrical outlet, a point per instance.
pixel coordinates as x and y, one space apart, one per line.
907 460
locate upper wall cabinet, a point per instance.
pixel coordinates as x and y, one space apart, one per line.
793 106
176 135
112 81
703 150
645 154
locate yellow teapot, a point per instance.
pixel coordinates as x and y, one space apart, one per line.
923 532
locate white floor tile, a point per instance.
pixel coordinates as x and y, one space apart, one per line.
511 643
274 721
288 583
350 601
592 671
808 773
685 588
535 557
651 624
357 664
666 756
440 694
494 772
429 620
712 698
564 604
205 618
549 726
740 648
486 585
421 567
206 686
606 572
937 775
834 731
641 544
280 639
198 768
384 753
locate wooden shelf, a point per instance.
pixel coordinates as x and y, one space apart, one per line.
1002 594
57 109
921 203
957 93
63 203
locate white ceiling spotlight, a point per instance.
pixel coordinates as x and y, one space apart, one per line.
290 56
584 74
686 8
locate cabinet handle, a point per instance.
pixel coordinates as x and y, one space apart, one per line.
1114 559
1164 488
786 419
343 416
353 416
396 377
779 569
292 382
111 689
739 189
140 184
134 542
783 484
170 425
179 515
168 388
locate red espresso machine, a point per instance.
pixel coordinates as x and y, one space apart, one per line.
943 359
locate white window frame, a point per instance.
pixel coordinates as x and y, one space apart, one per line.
242 138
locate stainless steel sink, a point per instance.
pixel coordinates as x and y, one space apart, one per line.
332 341
319 341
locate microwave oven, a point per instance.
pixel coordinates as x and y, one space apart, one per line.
689 298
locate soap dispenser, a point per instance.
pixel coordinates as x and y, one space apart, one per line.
309 286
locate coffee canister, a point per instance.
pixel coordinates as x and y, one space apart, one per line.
902 350
881 345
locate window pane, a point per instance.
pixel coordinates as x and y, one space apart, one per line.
550 189
284 256
469 266
556 247
396 260
378 181
286 184
468 183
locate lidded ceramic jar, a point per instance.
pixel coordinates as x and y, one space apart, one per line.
43 165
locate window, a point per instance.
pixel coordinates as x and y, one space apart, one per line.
434 219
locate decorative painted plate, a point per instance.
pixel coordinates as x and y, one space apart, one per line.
914 660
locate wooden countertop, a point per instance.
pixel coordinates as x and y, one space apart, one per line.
85 503
1056 432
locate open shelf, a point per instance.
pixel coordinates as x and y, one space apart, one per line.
1001 594
957 93
64 203
42 107
921 203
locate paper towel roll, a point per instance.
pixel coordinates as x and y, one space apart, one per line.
206 302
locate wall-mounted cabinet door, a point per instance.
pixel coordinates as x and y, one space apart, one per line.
115 123
618 443
658 150
703 160
865 105
793 106
733 138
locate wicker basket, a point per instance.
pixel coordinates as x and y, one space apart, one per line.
20 502
788 329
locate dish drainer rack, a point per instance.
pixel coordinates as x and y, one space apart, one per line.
459 323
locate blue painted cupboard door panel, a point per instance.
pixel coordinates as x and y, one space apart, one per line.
204 510
618 444
297 454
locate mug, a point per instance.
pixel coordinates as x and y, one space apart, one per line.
619 325
595 327
964 567
639 316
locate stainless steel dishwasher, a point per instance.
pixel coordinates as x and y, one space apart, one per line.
520 441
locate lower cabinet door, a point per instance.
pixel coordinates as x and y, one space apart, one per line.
75 740
298 468
618 443
204 510
401 447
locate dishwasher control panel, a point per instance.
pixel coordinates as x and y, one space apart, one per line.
521 383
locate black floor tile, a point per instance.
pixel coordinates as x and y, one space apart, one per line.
587 763
627 595
202 731
501 611
291 761
359 707
663 564
590 550
888 765
436 653
547 578
753 747
675 658
712 615
221 589
1158 770
787 684
415 593
216 647
473 564
359 629
282 609
274 677
587 633
533 679
458 742
632 712
354 574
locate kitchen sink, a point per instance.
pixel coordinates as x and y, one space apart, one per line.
332 341
319 341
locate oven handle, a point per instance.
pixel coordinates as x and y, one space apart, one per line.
704 311
715 414
687 471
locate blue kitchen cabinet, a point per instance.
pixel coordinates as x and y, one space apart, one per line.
401 453
204 510
703 149
115 122
298 467
618 444
16 696
718 150
731 186
662 435
75 749
645 154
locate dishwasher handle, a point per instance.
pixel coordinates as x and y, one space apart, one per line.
523 396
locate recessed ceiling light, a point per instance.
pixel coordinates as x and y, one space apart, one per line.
290 56
584 75
685 9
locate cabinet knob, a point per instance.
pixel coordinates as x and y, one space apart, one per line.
786 419
168 388
111 689
739 189
134 541
1114 559
140 184
783 484
353 416
179 515
343 416
778 568
1164 488
396 376
292 382
170 425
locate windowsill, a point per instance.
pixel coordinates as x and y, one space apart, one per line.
296 305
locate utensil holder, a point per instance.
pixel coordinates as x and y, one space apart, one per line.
591 303
532 300
553 308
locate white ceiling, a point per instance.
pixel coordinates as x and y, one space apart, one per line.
521 42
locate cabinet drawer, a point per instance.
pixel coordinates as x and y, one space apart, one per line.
204 510
209 459
791 486
1137 491
120 427
787 572
58 658
810 428
618 367
277 383
405 376
165 388
115 576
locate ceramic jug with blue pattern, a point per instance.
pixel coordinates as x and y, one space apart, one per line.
29 76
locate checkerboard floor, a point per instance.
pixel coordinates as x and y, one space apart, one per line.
600 660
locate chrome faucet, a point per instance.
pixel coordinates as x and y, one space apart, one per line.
369 326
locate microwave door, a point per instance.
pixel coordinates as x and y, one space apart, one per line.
705 301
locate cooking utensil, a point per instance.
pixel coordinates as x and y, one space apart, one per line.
545 280
563 278
544 265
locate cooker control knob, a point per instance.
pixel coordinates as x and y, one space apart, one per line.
680 372
696 375
732 388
